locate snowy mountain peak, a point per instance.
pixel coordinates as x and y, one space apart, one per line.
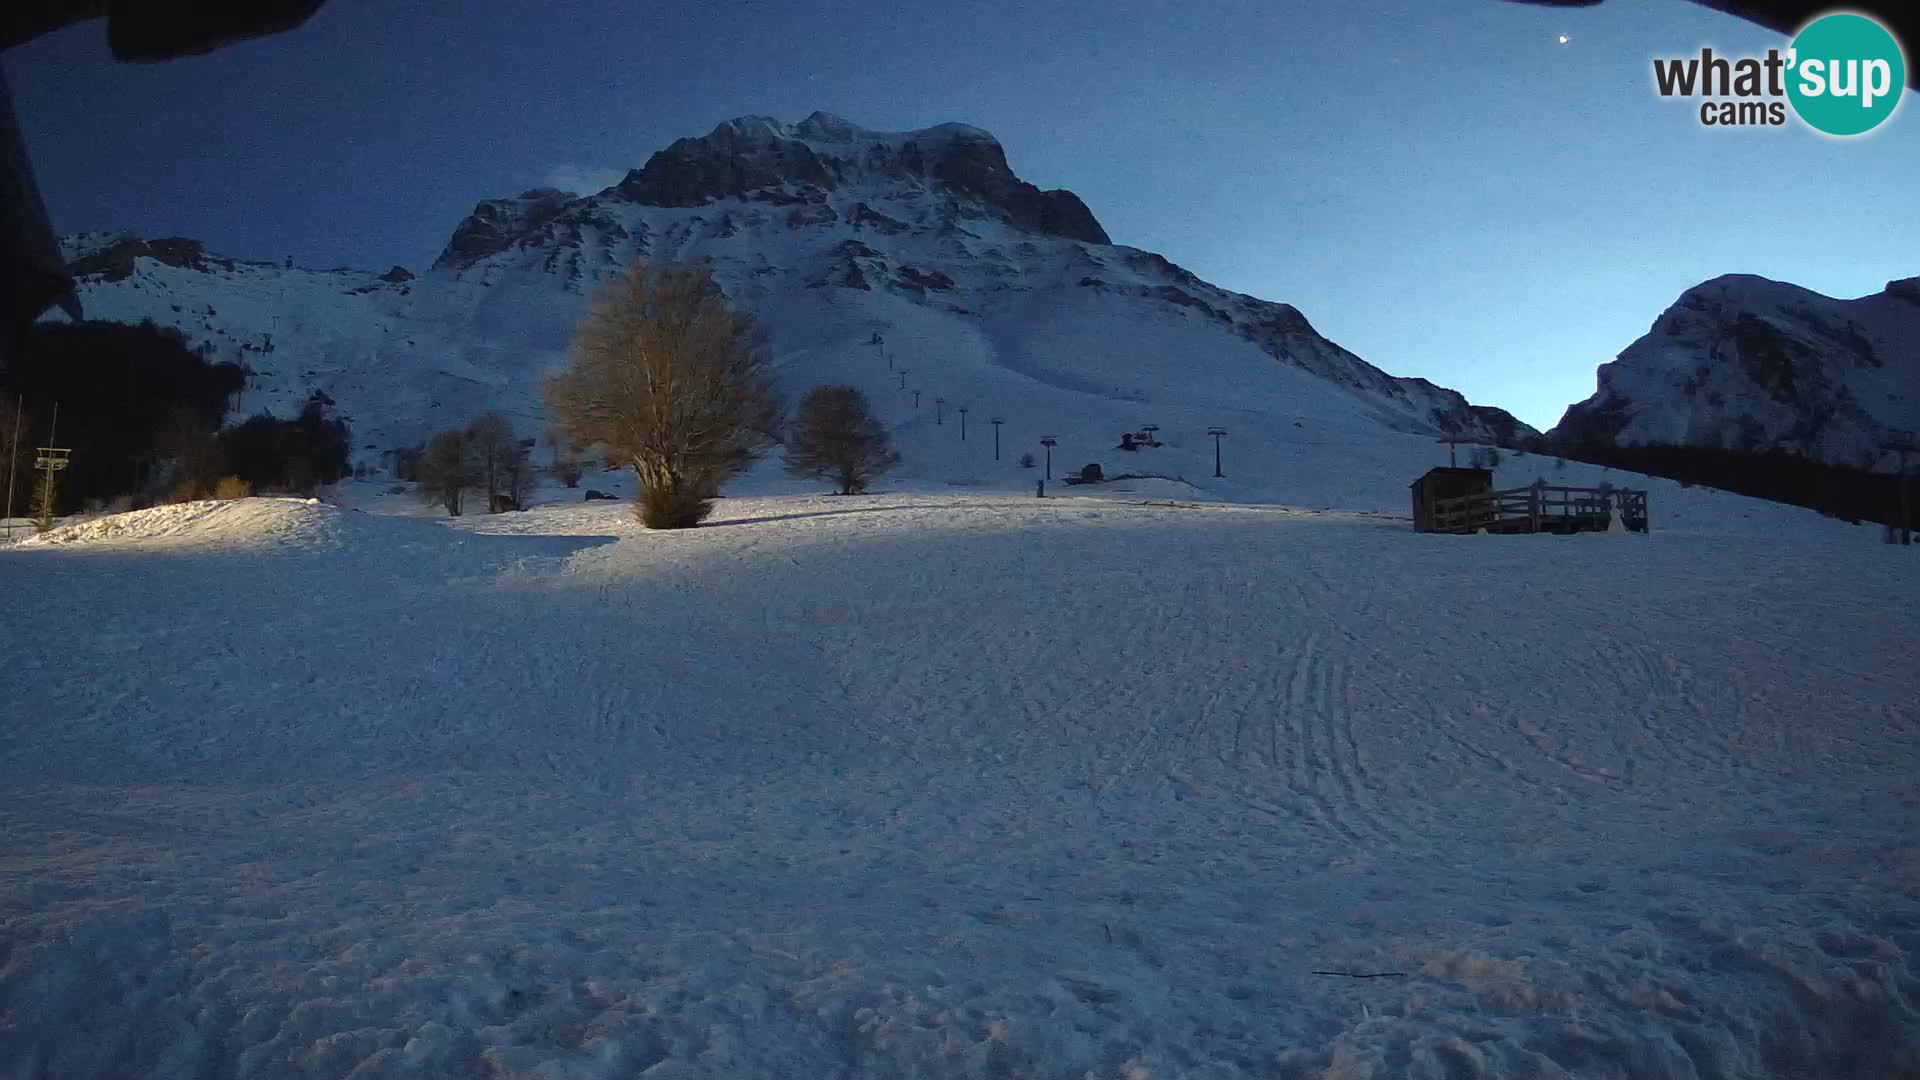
752 155
1742 362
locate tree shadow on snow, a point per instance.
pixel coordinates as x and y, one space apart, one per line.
766 518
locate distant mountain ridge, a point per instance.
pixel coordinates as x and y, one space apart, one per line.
760 159
1748 364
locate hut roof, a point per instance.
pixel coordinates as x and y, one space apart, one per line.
1453 470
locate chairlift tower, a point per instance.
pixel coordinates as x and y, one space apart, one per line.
1217 433
1049 442
50 460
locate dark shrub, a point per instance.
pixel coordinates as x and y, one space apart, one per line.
1837 490
296 455
123 391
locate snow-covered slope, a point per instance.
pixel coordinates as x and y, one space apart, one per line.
988 291
957 785
1745 363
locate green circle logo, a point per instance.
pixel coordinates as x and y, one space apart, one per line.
1845 74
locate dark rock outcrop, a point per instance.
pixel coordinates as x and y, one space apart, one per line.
543 216
862 216
116 260
971 162
496 224
737 157
924 280
747 156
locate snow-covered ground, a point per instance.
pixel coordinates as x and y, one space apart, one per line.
940 782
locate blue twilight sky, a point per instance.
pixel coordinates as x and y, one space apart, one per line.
1440 185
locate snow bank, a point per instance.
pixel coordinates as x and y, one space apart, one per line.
256 522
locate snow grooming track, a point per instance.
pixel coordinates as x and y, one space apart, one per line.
1300 734
1304 764
1343 747
1310 740
808 793
1673 723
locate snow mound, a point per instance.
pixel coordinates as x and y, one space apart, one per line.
261 522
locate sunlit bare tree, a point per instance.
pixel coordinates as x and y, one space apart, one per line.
667 376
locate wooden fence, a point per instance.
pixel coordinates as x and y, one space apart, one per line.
1541 508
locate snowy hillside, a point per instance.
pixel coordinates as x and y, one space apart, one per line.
988 292
1746 363
957 785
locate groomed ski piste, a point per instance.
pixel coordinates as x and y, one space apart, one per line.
948 781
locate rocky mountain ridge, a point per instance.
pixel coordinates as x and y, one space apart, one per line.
1749 364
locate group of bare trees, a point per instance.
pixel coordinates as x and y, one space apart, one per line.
667 376
482 457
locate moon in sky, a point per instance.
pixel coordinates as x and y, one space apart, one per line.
1564 39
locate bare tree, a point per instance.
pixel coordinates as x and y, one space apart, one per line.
566 463
835 436
446 469
499 459
189 447
516 475
670 378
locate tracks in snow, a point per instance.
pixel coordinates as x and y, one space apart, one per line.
1311 730
1285 732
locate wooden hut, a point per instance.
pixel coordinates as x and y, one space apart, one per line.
1445 482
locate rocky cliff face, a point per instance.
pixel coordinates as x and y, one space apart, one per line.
756 155
1745 363
497 224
